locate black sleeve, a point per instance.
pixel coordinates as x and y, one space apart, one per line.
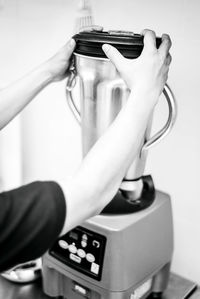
31 218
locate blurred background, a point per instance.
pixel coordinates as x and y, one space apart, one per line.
44 141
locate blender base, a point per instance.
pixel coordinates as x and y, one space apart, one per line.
73 289
123 256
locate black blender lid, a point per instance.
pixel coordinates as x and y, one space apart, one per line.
130 45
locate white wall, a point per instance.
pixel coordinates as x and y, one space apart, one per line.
10 141
51 137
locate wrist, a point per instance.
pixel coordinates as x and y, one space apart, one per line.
47 73
148 95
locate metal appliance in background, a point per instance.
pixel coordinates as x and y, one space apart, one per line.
24 273
126 251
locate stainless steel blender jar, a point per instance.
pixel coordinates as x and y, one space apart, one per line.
126 251
102 95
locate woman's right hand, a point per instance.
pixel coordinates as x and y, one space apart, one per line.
149 71
58 65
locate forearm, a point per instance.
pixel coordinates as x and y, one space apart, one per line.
113 153
16 96
104 167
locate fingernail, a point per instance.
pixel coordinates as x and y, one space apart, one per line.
72 43
106 47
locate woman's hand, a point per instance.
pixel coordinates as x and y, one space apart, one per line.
150 70
57 66
21 92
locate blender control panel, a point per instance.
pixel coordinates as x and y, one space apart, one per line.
82 250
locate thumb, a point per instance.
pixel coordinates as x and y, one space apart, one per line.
114 55
69 47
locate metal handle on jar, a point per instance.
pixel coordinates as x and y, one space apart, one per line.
170 121
71 81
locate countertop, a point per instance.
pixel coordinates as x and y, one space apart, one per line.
179 288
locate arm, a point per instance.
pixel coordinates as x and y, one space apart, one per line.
101 172
35 214
16 96
31 218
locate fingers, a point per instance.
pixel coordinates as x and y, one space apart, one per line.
149 39
168 59
92 28
114 55
150 44
165 45
69 47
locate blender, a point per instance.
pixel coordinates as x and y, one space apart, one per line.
126 251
